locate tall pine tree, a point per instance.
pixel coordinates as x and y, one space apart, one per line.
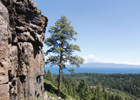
60 49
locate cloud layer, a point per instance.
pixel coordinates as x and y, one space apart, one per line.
93 59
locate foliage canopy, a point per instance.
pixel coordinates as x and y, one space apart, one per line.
59 44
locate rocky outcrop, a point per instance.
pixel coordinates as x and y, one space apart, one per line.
22 29
48 97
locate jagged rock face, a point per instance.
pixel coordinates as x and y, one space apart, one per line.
4 53
22 29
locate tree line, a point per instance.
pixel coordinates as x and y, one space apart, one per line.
129 83
80 90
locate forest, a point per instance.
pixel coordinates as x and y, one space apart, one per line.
92 86
124 82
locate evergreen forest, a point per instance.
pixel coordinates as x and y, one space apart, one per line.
92 86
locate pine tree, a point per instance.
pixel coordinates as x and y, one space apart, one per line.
50 76
84 90
99 92
118 97
45 75
60 50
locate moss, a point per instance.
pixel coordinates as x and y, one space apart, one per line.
35 98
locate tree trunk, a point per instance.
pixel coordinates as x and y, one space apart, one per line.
59 81
60 72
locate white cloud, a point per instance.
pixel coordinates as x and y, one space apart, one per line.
91 59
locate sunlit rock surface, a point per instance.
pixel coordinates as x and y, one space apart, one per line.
22 31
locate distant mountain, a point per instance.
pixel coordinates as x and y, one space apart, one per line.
104 65
109 65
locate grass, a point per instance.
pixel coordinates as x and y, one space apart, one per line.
51 90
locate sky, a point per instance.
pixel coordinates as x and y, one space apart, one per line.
108 30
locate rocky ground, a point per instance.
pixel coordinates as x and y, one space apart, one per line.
47 97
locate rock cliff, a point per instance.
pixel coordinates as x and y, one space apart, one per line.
22 31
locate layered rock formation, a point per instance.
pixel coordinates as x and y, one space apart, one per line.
22 29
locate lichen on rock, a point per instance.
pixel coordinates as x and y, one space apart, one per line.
22 31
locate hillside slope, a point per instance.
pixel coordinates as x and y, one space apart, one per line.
123 82
78 87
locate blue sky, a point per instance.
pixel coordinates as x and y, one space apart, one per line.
108 30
